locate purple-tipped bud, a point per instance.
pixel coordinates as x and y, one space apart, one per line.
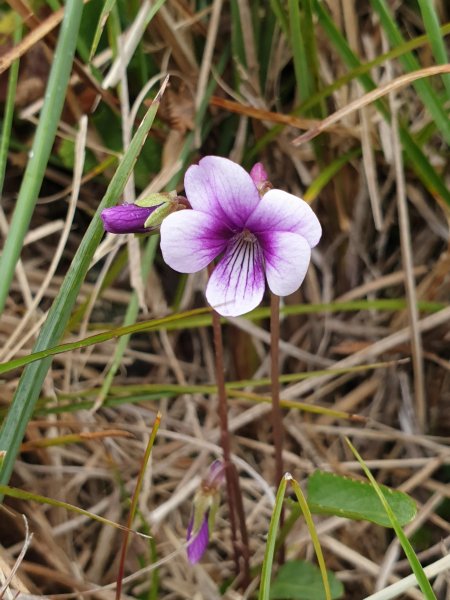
127 218
259 174
260 178
215 477
206 503
198 543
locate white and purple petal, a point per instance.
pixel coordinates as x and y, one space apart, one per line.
197 540
237 284
287 256
280 211
190 240
222 188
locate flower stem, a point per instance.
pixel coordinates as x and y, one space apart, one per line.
275 379
277 423
234 494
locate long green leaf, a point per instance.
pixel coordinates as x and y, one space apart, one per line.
266 573
42 144
416 158
417 568
106 9
410 63
314 537
433 29
12 492
33 377
200 317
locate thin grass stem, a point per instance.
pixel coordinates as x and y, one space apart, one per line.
134 501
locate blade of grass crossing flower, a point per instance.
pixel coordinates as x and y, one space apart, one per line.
148 257
416 158
417 568
266 572
12 492
134 502
410 63
314 537
42 144
33 377
432 27
9 110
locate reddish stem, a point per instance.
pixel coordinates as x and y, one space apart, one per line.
277 421
234 494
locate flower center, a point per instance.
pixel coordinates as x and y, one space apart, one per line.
248 236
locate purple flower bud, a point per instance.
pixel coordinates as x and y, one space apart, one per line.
259 174
198 542
260 178
206 503
126 218
214 478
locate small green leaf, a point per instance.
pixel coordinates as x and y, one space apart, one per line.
159 214
336 495
300 580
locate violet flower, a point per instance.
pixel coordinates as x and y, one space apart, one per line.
206 503
126 218
259 235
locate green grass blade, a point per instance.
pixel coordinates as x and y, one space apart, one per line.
12 492
326 174
417 568
414 155
50 351
9 111
314 537
266 573
134 502
432 27
200 317
410 63
42 144
107 8
281 16
301 67
33 377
